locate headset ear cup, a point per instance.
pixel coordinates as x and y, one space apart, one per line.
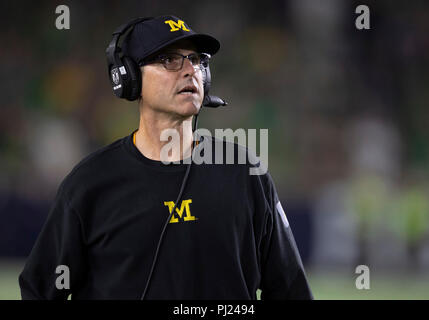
132 84
206 80
116 80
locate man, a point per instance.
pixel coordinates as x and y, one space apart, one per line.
227 237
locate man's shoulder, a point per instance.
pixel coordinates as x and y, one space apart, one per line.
96 162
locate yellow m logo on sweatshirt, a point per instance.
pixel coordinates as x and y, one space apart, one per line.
184 206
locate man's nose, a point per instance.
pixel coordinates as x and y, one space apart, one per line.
188 67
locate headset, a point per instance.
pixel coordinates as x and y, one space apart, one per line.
125 74
125 78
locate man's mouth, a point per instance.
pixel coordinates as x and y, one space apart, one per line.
188 90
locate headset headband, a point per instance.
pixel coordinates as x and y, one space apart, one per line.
113 49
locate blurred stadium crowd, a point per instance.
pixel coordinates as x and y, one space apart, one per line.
346 111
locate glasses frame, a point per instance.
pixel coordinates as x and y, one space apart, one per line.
160 58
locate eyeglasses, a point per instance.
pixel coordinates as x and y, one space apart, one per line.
174 61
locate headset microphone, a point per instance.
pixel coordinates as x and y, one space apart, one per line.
213 101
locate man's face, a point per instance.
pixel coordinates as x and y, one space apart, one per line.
161 88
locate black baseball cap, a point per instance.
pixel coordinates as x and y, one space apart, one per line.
149 36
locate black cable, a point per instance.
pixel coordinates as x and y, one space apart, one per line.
172 211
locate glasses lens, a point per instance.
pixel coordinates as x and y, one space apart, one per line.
195 59
171 61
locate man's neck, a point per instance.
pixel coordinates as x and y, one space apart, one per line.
154 126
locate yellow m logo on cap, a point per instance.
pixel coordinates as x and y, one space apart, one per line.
176 25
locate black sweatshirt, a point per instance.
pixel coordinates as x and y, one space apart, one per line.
228 237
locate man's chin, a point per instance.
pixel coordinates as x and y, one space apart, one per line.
189 108
192 111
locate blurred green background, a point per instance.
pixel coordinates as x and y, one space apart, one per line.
346 110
